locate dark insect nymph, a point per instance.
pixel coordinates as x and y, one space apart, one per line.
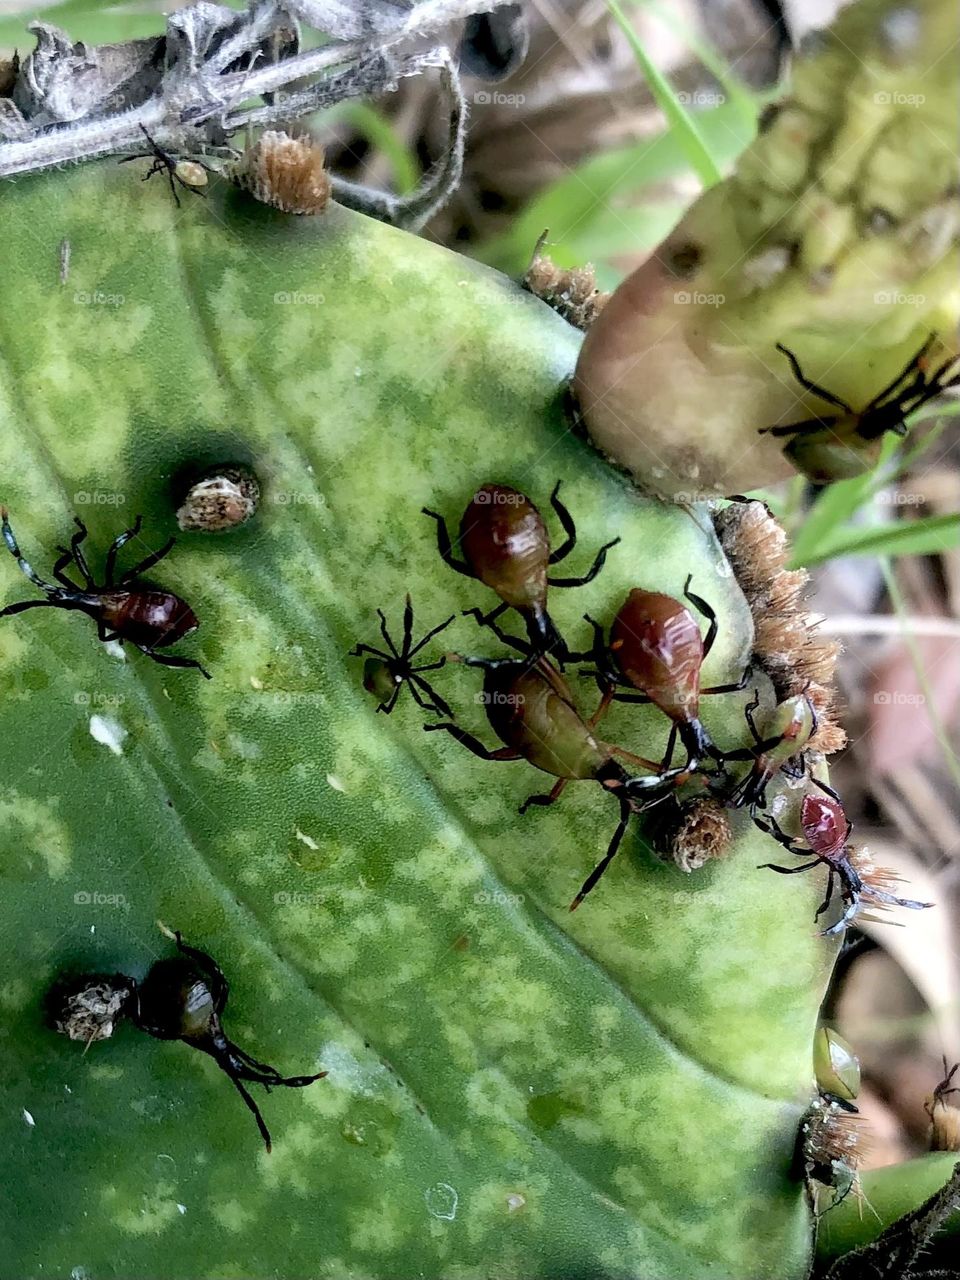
826 842
787 729
386 671
189 174
182 998
944 1089
655 653
147 617
820 446
506 546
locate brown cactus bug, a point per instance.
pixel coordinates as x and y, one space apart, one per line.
386 671
506 546
182 998
826 836
656 651
530 708
148 618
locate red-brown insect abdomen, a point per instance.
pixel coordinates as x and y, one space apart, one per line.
151 618
657 646
505 542
824 824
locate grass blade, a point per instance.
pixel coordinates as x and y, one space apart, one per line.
688 135
902 538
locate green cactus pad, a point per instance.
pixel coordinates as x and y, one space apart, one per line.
512 1090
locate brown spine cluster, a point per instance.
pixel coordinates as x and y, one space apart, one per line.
287 173
691 832
223 498
572 294
830 1136
786 643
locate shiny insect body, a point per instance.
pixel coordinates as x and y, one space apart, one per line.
826 841
386 671
836 1067
656 652
831 446
191 175
182 998
506 546
531 710
778 749
944 1089
150 619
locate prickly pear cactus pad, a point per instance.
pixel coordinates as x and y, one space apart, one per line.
513 1090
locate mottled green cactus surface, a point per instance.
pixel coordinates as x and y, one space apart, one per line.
512 1090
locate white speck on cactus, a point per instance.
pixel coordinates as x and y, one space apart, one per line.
109 732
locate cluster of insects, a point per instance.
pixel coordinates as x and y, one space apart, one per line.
653 652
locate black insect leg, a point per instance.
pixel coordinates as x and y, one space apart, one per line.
444 546
486 620
474 744
172 660
813 387
147 563
547 799
612 848
119 542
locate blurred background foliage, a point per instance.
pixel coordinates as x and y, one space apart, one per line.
618 115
